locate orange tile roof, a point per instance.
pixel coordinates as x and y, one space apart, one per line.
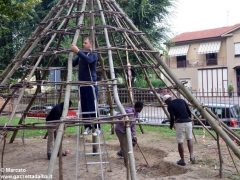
204 34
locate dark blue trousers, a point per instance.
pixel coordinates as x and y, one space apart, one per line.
88 103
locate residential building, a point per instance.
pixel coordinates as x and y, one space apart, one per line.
208 60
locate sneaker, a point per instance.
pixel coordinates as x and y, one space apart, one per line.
97 132
193 160
181 162
119 154
87 131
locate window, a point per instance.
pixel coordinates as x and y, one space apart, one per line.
211 59
237 49
181 61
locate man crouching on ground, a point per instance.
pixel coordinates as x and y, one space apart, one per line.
120 130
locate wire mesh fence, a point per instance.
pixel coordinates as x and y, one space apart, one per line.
152 112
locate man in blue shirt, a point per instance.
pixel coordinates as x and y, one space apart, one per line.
180 118
87 63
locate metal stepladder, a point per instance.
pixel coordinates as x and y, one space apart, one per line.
98 154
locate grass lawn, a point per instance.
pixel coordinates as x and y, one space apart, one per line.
164 131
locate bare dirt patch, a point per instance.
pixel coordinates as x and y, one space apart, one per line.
161 153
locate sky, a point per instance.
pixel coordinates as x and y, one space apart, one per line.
194 15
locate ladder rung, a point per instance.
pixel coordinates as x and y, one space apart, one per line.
90 134
93 143
92 163
90 112
87 154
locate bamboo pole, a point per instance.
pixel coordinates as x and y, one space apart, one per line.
12 93
3 150
129 86
71 122
116 97
109 98
129 79
125 75
146 74
126 79
8 99
122 65
60 149
28 106
191 98
60 167
143 154
233 160
95 147
220 157
66 99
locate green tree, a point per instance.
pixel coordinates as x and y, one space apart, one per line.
150 17
16 21
15 10
44 7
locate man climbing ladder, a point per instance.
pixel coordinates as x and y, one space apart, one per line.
87 62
